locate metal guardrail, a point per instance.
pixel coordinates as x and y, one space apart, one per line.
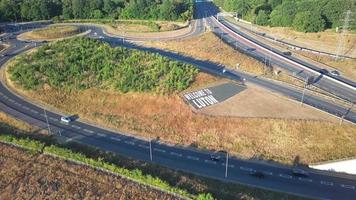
293 46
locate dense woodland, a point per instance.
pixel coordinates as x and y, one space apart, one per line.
302 15
83 63
29 10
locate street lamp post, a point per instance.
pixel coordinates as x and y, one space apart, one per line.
226 164
49 129
150 143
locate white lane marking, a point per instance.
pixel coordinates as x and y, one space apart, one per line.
11 100
160 150
129 142
305 179
5 97
246 169
101 134
88 131
54 119
76 127
348 186
144 146
267 173
326 183
25 107
192 158
176 154
115 138
210 161
34 111
285 176
18 104
231 166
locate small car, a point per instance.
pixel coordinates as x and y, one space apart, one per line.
257 174
218 156
66 119
324 71
287 53
300 173
335 73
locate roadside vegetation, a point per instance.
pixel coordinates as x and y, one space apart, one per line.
302 15
31 10
51 33
50 171
81 63
128 102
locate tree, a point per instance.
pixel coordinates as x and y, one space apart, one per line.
308 22
283 15
262 18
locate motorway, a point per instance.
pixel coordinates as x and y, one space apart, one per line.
230 33
319 185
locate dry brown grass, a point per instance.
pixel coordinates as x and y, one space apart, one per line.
326 41
209 47
22 126
347 67
171 120
51 33
26 176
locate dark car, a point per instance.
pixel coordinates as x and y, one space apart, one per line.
287 53
335 73
324 71
257 174
218 156
300 173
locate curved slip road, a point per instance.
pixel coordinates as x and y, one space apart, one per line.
336 85
320 185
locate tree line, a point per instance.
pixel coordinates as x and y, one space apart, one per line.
83 63
302 15
29 10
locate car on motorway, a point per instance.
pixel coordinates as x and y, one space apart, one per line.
218 156
335 73
257 174
324 71
250 49
287 53
300 173
66 119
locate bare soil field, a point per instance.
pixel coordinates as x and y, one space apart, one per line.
256 102
50 33
27 176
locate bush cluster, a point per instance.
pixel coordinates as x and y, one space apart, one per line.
82 63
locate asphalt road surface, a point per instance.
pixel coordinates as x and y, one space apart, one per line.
319 184
337 85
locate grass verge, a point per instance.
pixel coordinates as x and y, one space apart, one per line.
191 186
51 33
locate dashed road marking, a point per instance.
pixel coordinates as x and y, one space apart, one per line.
25 107
129 142
285 176
192 158
176 154
246 169
11 100
88 131
231 166
305 179
18 104
144 146
348 186
115 138
159 150
76 127
267 173
34 111
326 183
210 162
101 134
54 119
